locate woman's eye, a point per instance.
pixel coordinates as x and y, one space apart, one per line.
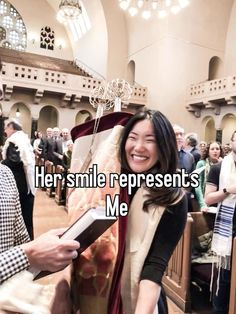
131 138
150 141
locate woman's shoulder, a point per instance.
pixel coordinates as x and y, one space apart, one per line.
201 163
179 208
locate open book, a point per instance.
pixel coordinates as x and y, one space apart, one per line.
86 229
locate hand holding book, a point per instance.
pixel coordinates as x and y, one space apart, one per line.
86 229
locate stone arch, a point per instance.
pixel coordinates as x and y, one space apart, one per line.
228 126
82 116
131 72
215 68
208 127
24 116
48 117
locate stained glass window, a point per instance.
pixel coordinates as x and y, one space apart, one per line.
12 28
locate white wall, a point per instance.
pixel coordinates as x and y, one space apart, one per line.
92 48
171 54
230 51
117 40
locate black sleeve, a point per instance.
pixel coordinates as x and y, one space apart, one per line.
12 156
214 175
166 238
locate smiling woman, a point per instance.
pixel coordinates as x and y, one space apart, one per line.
141 147
118 272
148 145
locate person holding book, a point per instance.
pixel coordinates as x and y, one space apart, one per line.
122 271
17 253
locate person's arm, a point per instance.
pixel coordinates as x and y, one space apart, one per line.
213 196
149 293
12 262
167 236
199 190
212 193
49 252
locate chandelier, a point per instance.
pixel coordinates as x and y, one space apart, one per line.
68 10
149 8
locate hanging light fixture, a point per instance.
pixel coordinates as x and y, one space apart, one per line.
69 10
148 8
17 112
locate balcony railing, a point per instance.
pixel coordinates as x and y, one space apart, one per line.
41 80
211 94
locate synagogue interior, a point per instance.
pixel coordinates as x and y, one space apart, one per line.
60 71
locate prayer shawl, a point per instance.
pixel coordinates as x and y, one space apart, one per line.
222 236
22 142
140 232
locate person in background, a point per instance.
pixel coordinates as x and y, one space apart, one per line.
19 157
66 158
36 143
221 189
226 149
191 146
185 161
202 146
44 142
61 146
212 155
17 253
66 162
56 134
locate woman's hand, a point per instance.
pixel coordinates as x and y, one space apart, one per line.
204 209
148 296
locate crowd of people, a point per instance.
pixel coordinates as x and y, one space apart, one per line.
136 250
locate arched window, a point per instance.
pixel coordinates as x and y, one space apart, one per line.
131 72
47 38
12 28
215 68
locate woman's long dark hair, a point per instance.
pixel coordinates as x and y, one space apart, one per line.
166 152
205 153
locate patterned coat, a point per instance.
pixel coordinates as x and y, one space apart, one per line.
12 228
